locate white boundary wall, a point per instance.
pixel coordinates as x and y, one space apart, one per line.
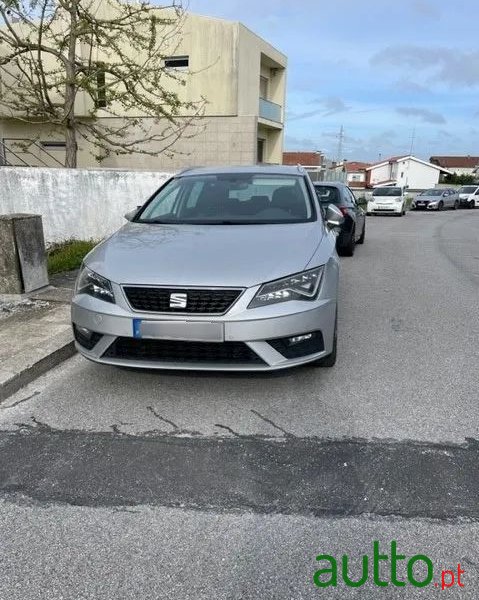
76 203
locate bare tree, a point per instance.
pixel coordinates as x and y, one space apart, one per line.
95 69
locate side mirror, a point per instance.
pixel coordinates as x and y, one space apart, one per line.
334 217
131 214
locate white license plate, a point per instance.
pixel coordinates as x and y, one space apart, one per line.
194 331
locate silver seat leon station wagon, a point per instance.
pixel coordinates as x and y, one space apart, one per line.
221 269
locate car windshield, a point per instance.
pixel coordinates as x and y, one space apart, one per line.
387 191
230 199
467 189
328 194
432 193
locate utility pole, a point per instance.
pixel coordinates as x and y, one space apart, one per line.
413 139
340 145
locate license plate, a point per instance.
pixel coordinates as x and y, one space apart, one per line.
194 331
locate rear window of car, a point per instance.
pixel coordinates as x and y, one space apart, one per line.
387 191
328 194
231 199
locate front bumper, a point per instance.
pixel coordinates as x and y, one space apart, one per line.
241 340
391 209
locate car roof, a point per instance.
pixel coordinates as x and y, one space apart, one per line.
253 169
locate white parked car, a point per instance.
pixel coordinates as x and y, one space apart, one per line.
387 200
469 196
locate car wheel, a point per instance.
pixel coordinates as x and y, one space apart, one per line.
330 360
440 205
472 204
348 248
456 205
363 235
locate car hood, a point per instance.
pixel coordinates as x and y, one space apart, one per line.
429 198
385 199
205 255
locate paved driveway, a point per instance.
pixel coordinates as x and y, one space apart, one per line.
124 484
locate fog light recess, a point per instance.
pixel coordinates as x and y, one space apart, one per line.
298 346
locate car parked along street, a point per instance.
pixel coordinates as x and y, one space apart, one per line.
221 269
353 229
469 196
437 199
387 200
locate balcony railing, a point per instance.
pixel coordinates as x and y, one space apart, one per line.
270 110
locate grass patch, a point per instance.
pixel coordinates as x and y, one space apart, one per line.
68 255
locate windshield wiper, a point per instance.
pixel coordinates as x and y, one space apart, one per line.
157 221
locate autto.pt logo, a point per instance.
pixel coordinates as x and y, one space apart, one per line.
385 568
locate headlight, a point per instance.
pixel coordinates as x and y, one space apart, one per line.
95 285
303 286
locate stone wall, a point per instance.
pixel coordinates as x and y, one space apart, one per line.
76 203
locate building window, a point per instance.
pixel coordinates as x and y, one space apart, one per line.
47 145
402 174
100 88
260 150
177 62
263 87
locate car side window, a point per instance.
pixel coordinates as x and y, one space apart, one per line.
351 197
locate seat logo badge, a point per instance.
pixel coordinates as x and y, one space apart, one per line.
178 300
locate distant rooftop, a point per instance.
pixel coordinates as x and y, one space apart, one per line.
455 162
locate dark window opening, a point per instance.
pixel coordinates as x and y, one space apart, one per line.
177 62
53 145
260 150
100 89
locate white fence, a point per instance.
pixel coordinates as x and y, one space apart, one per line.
76 203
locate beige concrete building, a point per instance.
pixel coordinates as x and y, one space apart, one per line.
243 79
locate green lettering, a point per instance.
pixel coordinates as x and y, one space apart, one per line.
364 576
377 558
394 558
333 571
430 570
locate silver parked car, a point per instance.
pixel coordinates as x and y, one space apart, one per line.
227 269
437 199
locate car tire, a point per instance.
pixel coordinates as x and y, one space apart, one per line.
440 206
363 235
348 249
456 205
330 360
472 204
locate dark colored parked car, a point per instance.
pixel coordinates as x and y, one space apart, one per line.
353 229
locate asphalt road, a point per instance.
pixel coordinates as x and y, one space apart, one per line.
119 484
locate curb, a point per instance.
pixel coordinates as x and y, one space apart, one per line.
36 369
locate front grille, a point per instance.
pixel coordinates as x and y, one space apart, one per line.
182 352
199 301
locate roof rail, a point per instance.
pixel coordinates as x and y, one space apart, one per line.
188 169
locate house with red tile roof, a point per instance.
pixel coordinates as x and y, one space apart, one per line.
460 165
306 159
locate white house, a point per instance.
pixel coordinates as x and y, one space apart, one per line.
405 171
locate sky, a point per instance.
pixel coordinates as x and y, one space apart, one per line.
395 75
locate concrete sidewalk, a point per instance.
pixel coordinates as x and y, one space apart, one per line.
36 338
